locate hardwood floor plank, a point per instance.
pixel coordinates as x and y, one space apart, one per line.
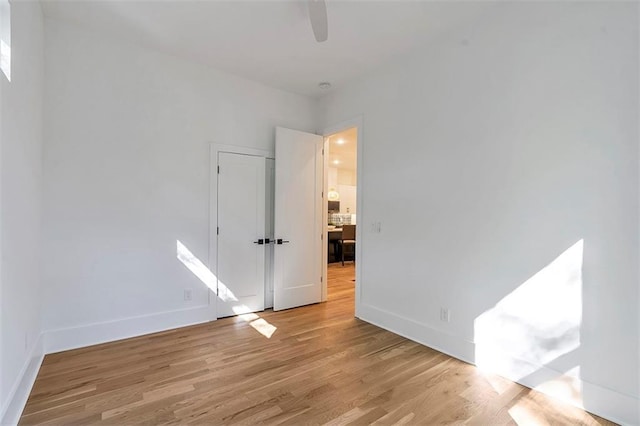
320 366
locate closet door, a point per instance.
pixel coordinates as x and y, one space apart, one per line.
241 234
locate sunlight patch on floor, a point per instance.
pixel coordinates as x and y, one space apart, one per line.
259 324
526 416
499 384
567 387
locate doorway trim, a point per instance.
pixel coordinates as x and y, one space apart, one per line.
214 149
328 131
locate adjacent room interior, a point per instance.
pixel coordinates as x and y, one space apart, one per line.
341 189
319 212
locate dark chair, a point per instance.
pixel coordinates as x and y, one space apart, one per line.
348 240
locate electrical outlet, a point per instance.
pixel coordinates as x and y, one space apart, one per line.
445 315
375 227
187 295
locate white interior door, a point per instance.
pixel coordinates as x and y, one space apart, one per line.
241 227
270 187
298 219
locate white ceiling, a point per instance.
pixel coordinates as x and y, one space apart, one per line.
272 41
343 152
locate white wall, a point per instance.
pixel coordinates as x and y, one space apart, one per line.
126 169
346 177
20 214
344 182
486 156
347 199
332 178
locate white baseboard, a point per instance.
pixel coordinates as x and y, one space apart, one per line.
418 332
617 407
92 334
17 397
609 404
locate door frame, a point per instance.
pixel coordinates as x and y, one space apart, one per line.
214 149
328 131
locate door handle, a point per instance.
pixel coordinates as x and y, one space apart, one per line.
260 241
281 241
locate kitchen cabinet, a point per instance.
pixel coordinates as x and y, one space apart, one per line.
347 198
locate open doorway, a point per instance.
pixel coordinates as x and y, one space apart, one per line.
341 208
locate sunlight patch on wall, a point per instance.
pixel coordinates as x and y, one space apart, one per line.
205 275
5 38
536 323
244 312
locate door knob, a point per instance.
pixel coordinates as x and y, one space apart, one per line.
281 241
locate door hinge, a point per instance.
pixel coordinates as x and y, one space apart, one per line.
218 230
322 195
322 151
218 169
320 279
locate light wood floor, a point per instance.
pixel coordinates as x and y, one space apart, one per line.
321 365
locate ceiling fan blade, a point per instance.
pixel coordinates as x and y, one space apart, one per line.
318 18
